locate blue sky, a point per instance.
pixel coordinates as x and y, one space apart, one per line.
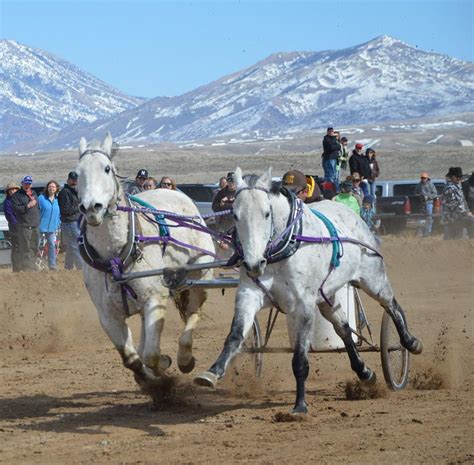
157 48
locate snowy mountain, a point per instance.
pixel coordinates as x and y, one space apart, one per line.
41 94
382 80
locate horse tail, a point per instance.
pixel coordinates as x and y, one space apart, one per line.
181 300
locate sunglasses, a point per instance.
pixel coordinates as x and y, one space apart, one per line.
423 177
168 184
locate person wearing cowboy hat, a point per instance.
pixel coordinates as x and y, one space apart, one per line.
427 191
10 216
304 187
455 210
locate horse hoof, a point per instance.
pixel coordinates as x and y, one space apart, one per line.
300 409
370 379
206 379
416 347
165 362
189 367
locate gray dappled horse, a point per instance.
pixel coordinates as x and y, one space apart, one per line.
111 234
301 281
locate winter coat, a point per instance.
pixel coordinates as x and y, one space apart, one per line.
349 201
468 190
374 168
454 204
427 190
359 163
68 204
27 217
8 210
49 214
331 148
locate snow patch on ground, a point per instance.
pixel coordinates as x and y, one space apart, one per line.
436 139
466 143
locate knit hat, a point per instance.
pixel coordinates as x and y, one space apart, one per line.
346 186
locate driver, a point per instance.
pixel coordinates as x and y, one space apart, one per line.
304 187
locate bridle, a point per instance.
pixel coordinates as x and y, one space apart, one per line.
284 244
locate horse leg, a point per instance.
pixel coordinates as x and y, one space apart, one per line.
189 303
303 329
382 292
247 303
141 345
337 317
154 311
114 324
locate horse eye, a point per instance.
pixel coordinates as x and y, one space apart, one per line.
267 215
107 169
235 217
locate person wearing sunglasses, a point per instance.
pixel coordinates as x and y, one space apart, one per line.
167 183
427 191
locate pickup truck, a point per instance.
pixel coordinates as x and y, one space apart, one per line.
399 208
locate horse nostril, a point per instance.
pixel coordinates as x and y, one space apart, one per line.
263 263
246 266
98 206
82 209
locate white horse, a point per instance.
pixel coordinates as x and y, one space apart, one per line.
302 281
107 234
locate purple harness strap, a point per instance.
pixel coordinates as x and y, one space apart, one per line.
167 239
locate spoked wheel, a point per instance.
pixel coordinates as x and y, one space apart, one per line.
251 347
395 358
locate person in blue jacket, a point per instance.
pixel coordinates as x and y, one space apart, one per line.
50 220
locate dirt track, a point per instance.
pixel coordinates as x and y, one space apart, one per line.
65 398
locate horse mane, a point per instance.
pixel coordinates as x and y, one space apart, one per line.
251 180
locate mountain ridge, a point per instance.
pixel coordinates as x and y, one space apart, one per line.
380 80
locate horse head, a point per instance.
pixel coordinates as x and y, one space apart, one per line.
97 186
253 219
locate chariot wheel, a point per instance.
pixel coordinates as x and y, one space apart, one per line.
252 346
395 358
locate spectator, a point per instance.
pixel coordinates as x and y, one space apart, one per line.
468 190
367 212
167 183
150 184
304 187
427 191
356 189
331 150
359 163
137 186
222 182
10 216
455 208
223 201
374 170
346 198
50 220
342 161
69 208
25 207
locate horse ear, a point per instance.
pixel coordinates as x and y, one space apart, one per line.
265 180
82 146
107 144
238 177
